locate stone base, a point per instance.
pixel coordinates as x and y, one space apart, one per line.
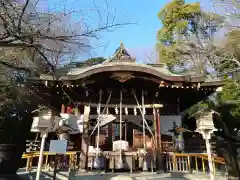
121 177
82 170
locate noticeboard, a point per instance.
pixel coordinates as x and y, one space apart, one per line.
58 146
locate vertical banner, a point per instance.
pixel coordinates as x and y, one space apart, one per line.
80 123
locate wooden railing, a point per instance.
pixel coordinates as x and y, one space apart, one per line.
68 160
196 147
173 162
178 162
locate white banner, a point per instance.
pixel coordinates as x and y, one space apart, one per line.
80 123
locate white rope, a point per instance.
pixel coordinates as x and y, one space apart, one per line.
138 105
143 117
98 120
120 127
98 117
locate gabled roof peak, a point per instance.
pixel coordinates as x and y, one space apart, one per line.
121 54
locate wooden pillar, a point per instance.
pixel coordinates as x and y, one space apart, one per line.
159 157
110 135
125 130
85 140
133 135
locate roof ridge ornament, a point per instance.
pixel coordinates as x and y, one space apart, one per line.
121 54
121 49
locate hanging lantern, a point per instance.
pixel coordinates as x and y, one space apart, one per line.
116 110
198 86
135 111
144 111
98 109
126 111
87 93
156 94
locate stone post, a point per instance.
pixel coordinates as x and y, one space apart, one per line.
207 136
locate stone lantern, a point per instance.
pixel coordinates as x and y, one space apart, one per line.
42 123
205 126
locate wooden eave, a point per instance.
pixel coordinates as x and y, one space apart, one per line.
112 67
159 73
214 83
82 73
122 62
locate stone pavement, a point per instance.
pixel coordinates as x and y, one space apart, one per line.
142 176
45 175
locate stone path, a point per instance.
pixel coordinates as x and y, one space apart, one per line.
143 176
45 175
117 176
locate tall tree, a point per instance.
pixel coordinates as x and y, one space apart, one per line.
227 7
186 38
34 40
228 51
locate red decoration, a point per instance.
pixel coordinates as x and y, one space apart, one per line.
69 110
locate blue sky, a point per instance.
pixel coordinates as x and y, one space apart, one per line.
139 38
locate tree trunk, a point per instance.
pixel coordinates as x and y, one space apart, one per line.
85 140
231 154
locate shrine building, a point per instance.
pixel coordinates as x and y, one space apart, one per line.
128 103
